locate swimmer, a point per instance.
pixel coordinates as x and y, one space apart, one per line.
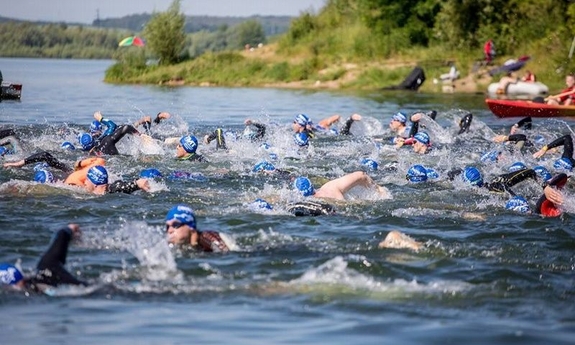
335 189
181 229
186 149
50 269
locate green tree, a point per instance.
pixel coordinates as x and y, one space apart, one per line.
165 34
249 32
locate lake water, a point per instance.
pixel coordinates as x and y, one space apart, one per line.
486 275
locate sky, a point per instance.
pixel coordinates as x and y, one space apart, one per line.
86 11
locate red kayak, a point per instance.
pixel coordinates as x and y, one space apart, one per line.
518 108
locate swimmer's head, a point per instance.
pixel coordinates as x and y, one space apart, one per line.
516 167
418 173
263 166
10 275
68 145
95 127
189 143
422 137
98 175
400 117
261 204
86 141
518 204
542 172
302 120
472 176
369 163
183 215
304 185
150 173
491 156
301 139
563 163
43 176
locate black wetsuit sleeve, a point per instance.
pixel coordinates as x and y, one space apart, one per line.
260 130
122 187
147 127
346 127
310 209
414 129
108 143
517 137
567 142
7 133
51 269
49 159
525 122
504 182
157 119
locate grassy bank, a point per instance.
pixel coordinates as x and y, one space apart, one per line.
265 67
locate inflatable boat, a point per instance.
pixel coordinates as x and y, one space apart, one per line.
520 90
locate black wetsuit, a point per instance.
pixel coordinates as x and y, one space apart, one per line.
50 269
502 183
465 123
346 127
567 142
545 207
218 135
193 157
211 241
120 186
48 159
148 125
260 132
6 133
107 145
310 208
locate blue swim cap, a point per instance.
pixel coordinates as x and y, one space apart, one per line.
491 156
261 204
518 204
303 184
563 163
422 137
263 166
95 127
542 172
182 214
3 150
189 143
41 166
98 175
68 145
539 139
369 163
516 167
86 141
333 131
9 274
301 139
399 116
43 176
472 176
416 174
431 173
150 173
302 120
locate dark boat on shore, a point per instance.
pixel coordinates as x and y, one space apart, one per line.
11 91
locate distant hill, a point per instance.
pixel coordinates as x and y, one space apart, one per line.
272 25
